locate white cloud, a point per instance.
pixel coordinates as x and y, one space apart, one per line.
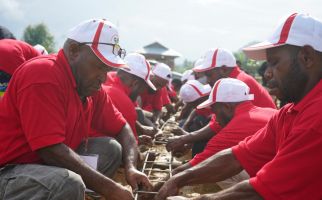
11 9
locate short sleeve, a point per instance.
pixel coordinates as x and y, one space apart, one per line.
255 151
214 125
165 97
41 109
106 118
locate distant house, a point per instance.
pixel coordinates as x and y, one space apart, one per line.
158 52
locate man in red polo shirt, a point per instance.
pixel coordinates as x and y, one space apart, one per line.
13 54
153 101
125 85
51 105
283 158
221 63
231 102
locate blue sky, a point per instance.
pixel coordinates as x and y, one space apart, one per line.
188 26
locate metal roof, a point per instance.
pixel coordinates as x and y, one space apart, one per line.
156 48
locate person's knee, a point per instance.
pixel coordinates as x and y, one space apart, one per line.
116 151
72 186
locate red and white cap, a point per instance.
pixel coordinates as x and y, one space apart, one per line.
297 30
193 90
187 75
163 71
41 49
139 67
216 58
102 37
228 90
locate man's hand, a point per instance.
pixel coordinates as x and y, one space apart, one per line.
136 178
145 140
119 192
179 131
175 144
149 130
170 188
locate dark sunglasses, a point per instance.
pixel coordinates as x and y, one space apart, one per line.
117 50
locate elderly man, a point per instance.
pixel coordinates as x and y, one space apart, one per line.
126 85
51 106
283 158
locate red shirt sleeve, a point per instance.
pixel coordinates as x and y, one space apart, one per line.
294 172
255 151
106 118
124 104
165 97
214 125
48 110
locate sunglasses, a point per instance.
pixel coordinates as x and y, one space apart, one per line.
117 50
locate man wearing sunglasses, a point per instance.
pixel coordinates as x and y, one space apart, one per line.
52 105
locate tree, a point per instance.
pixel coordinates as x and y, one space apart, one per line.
39 34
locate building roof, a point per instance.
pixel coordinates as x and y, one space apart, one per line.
156 48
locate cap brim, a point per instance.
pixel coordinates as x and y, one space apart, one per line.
105 55
205 104
150 84
258 51
201 68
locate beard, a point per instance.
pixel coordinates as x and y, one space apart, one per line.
293 85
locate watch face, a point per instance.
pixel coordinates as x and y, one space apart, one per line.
4 80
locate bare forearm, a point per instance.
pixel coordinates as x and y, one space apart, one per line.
62 156
241 191
156 116
189 120
202 134
129 147
219 167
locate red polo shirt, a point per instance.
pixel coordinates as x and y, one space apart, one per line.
205 112
14 53
42 107
284 158
261 95
156 100
248 119
119 93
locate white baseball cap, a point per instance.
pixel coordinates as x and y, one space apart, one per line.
187 75
102 37
228 90
193 90
297 30
216 58
163 71
138 66
41 49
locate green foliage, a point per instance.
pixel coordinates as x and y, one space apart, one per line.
248 65
39 34
187 64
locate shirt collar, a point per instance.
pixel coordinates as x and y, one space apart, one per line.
115 79
235 72
315 92
244 106
62 60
